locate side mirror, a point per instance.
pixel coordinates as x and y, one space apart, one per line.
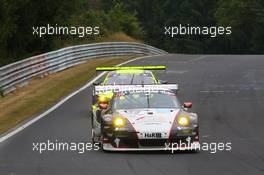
96 83
163 82
187 104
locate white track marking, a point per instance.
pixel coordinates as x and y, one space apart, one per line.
199 58
30 122
206 136
212 91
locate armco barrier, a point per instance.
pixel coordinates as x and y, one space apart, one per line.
18 73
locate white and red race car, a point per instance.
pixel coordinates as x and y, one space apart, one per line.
148 117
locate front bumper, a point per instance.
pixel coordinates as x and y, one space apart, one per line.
129 140
132 143
193 146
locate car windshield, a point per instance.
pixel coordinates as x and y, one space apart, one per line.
127 79
144 100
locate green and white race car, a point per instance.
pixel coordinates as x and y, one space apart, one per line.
124 75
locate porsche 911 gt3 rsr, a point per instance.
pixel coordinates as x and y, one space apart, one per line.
144 120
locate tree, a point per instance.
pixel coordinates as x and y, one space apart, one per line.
246 19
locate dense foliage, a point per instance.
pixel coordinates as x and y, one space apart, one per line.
141 19
19 16
246 17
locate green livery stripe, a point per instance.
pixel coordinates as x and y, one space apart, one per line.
131 68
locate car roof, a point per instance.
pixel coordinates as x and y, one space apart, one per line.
131 72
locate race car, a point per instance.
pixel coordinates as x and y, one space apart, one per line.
124 75
148 117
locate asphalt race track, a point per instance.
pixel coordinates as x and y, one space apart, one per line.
227 92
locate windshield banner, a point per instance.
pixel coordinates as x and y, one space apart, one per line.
134 88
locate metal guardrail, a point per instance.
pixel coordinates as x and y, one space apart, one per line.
18 73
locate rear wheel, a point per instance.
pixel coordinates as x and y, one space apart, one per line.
92 125
92 119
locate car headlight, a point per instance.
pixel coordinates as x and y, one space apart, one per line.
119 122
102 99
184 121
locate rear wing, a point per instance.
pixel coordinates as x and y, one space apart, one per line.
130 68
135 88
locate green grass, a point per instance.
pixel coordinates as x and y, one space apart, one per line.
41 93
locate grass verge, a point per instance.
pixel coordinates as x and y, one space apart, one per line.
41 93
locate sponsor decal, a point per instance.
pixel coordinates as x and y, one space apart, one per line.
152 135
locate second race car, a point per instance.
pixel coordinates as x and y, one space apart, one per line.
124 75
